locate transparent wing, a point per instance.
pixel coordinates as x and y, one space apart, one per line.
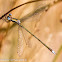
26 36
20 42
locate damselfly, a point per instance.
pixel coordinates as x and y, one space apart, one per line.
17 21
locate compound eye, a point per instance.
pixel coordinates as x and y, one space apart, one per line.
8 18
10 14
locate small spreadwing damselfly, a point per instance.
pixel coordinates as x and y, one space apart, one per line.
20 25
17 21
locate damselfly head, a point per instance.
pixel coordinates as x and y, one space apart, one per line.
8 18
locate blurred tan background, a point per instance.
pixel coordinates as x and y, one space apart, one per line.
46 25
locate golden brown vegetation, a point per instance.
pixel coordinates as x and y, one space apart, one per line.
45 24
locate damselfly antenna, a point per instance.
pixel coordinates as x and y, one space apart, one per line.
19 23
